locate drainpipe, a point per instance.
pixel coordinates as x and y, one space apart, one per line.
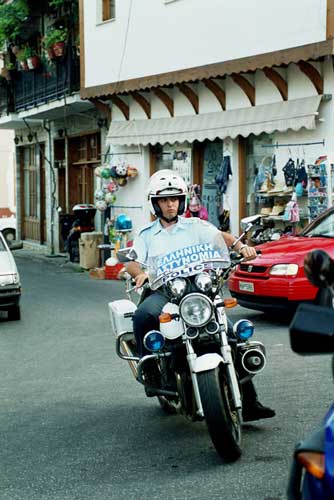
47 128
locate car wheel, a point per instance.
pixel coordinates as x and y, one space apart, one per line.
14 313
10 236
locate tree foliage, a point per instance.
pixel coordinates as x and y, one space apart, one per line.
12 17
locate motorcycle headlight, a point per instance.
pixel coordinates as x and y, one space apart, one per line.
177 287
284 270
196 309
203 282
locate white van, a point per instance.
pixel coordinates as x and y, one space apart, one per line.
10 285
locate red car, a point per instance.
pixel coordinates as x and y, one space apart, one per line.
275 280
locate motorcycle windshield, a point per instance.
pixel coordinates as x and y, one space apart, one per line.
187 261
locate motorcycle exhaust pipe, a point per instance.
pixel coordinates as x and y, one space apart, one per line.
253 361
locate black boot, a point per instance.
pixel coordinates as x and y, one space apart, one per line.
252 408
256 411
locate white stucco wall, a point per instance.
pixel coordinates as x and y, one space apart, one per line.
152 36
7 170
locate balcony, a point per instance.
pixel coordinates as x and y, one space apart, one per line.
50 82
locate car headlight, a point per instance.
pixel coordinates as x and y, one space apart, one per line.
16 279
9 279
284 270
177 287
196 309
203 282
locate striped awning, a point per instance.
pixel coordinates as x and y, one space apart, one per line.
278 116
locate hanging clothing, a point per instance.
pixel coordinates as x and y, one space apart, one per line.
289 171
223 175
301 174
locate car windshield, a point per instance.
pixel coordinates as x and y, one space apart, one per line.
325 228
187 261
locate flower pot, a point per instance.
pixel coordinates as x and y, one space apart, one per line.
15 49
5 73
50 53
58 49
33 62
24 66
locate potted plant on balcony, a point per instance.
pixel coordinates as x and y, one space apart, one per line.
54 42
21 57
33 60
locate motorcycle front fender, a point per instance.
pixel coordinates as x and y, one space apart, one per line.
207 362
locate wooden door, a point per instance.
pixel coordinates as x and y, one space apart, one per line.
30 219
33 204
84 156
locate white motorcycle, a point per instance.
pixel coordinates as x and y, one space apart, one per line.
197 368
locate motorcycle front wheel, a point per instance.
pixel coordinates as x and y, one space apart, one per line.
222 419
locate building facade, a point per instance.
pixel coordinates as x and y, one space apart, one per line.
197 87
7 174
56 135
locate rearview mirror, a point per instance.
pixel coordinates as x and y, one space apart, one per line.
312 330
247 222
126 255
319 268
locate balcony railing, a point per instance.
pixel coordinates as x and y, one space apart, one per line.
29 89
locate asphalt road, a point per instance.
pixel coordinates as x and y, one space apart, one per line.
75 425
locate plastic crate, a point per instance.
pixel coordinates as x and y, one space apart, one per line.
111 272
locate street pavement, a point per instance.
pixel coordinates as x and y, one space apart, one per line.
76 426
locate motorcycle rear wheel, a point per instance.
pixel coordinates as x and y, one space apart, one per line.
223 422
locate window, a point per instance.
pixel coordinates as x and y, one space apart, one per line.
30 182
108 10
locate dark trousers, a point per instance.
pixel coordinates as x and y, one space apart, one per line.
146 318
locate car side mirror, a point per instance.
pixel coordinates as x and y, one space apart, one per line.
16 245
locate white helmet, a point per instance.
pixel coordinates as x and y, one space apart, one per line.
166 183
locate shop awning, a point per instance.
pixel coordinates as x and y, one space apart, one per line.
281 116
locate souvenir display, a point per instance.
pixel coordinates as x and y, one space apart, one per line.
113 177
101 205
106 173
132 172
99 195
121 170
112 187
195 208
110 198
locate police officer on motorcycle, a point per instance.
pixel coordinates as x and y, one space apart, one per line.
167 193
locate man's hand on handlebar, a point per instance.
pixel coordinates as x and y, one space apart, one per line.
140 279
248 252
